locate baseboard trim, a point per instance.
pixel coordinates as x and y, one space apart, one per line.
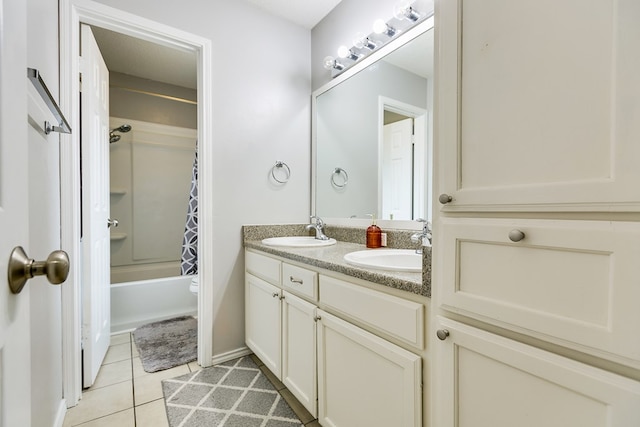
62 411
230 355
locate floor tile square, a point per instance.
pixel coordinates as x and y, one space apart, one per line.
120 339
113 373
149 387
121 419
117 353
101 402
152 414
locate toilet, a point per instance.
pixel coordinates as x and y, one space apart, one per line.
193 286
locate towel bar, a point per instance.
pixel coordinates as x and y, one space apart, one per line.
41 87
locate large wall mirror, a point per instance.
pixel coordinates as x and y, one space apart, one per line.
373 136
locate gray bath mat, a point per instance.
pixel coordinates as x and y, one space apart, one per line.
232 394
167 343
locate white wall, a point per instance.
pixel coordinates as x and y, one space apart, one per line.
261 113
342 24
44 224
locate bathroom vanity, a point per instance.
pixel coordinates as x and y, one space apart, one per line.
348 342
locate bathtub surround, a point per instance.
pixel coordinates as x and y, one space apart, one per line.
234 393
189 259
168 343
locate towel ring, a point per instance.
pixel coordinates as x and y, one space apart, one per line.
338 172
279 165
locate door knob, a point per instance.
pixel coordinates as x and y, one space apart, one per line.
22 268
445 198
442 334
112 223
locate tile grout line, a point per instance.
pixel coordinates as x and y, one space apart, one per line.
133 383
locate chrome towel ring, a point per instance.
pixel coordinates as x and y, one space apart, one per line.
339 172
281 165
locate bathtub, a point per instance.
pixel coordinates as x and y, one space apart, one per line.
137 303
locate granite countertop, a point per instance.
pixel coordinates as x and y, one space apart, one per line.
331 258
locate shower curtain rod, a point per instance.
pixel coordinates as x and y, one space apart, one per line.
159 95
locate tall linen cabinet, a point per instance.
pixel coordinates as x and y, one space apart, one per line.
536 267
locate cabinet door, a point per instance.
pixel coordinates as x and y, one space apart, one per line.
262 321
560 131
363 380
299 350
484 380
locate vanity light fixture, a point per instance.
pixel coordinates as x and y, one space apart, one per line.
345 52
362 40
331 63
381 27
404 18
403 10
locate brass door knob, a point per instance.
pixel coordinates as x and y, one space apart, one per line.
22 268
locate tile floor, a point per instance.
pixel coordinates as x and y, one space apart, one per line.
124 395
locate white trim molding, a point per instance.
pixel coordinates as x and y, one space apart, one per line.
72 13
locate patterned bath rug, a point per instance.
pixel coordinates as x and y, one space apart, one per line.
167 343
232 394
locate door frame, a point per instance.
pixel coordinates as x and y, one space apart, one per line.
72 13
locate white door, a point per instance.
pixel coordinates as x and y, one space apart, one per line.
397 170
15 349
96 313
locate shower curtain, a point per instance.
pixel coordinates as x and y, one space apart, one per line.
189 259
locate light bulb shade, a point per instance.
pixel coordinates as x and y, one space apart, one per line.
345 52
381 27
329 63
362 41
403 10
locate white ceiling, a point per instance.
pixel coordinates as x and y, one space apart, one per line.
135 57
306 13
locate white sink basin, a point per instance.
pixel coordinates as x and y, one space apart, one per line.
298 241
386 259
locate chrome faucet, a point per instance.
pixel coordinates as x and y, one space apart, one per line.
425 237
318 226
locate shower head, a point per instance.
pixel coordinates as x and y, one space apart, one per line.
115 138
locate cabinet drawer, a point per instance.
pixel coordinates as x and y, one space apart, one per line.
300 281
575 281
395 316
263 267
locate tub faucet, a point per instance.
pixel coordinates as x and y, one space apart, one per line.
318 226
425 237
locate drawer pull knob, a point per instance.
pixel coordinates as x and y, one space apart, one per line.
445 198
516 235
442 334
275 295
294 280
317 318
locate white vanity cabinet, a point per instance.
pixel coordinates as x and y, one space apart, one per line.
537 237
263 322
351 354
280 327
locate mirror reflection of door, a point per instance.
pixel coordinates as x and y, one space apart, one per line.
397 169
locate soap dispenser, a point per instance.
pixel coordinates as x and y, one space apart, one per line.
374 234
